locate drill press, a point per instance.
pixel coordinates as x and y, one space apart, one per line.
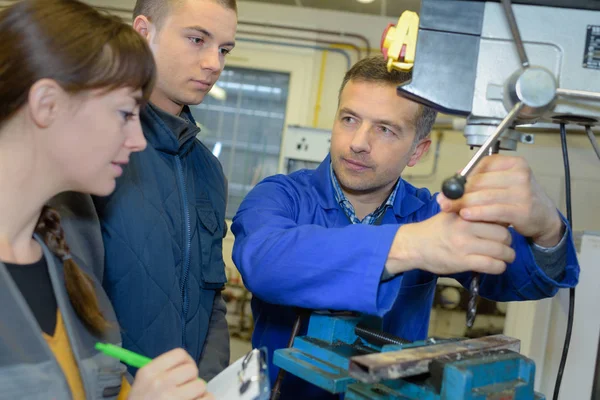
509 70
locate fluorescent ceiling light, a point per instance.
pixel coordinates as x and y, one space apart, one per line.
365 1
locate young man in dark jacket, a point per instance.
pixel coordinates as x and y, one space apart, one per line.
164 224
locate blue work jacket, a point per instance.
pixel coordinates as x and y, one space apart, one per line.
163 228
295 247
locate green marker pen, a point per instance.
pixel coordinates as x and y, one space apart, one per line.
128 357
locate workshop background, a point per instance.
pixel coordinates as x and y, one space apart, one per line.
271 112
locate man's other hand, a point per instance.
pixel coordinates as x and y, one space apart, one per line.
502 189
446 244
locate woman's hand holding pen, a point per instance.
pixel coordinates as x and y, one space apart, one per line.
172 375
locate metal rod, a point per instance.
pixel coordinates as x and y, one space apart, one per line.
306 39
303 29
289 44
506 122
578 94
276 391
474 286
378 338
514 29
473 300
362 38
592 137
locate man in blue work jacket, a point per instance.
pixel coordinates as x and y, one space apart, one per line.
310 239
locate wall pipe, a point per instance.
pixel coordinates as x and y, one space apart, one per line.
362 38
330 42
319 31
317 111
321 48
340 51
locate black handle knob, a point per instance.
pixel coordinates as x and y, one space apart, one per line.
453 188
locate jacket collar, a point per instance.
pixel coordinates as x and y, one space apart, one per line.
405 203
167 132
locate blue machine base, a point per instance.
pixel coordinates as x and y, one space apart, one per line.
322 357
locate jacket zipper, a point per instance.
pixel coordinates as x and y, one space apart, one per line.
188 245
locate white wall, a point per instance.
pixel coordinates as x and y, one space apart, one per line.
580 367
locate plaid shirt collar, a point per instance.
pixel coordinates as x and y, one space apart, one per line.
349 209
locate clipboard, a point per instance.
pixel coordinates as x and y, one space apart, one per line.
245 379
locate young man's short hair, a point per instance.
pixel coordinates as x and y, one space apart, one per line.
374 69
157 10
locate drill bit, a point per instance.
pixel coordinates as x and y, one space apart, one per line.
454 188
473 300
474 286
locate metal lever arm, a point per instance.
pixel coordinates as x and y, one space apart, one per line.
514 29
453 188
578 94
592 138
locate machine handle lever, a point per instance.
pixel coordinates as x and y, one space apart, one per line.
514 29
578 94
454 187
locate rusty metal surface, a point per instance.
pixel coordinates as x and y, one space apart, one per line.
414 361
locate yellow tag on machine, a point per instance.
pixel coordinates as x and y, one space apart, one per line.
399 42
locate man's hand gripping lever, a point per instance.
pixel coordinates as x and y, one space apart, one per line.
454 187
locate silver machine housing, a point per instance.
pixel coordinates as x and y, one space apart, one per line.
563 49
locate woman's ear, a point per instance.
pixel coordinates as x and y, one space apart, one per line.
45 99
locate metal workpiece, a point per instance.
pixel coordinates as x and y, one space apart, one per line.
378 338
465 379
409 362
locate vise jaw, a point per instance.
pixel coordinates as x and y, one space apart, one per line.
349 354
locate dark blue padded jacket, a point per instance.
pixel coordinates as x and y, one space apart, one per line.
162 229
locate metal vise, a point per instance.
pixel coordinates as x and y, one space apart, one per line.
349 354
